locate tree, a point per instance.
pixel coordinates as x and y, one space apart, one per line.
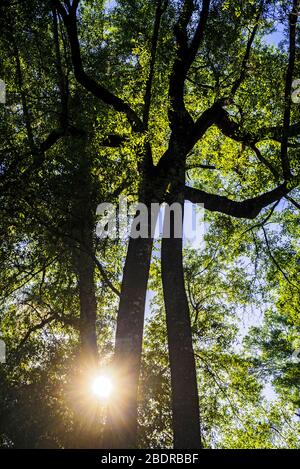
172 102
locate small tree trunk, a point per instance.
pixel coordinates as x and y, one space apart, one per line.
185 400
88 430
83 249
88 304
83 226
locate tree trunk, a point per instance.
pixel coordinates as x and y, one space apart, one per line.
83 249
88 434
83 226
185 400
122 417
88 304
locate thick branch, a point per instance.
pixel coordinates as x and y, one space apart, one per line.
184 58
248 208
85 80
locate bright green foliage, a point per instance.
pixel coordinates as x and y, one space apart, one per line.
247 265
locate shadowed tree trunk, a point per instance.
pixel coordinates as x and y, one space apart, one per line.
185 401
83 226
87 415
88 304
122 418
82 232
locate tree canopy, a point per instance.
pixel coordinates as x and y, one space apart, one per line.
165 101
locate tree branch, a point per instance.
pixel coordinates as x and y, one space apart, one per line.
105 277
99 91
288 90
147 97
293 201
198 36
248 208
242 76
275 261
34 328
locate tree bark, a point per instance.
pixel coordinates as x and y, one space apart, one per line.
82 234
122 416
88 303
83 225
185 400
88 432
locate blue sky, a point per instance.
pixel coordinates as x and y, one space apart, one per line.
275 37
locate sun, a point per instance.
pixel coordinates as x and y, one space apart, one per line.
102 386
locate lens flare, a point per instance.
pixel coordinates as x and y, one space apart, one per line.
102 387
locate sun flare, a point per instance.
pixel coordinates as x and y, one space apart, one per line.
102 386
